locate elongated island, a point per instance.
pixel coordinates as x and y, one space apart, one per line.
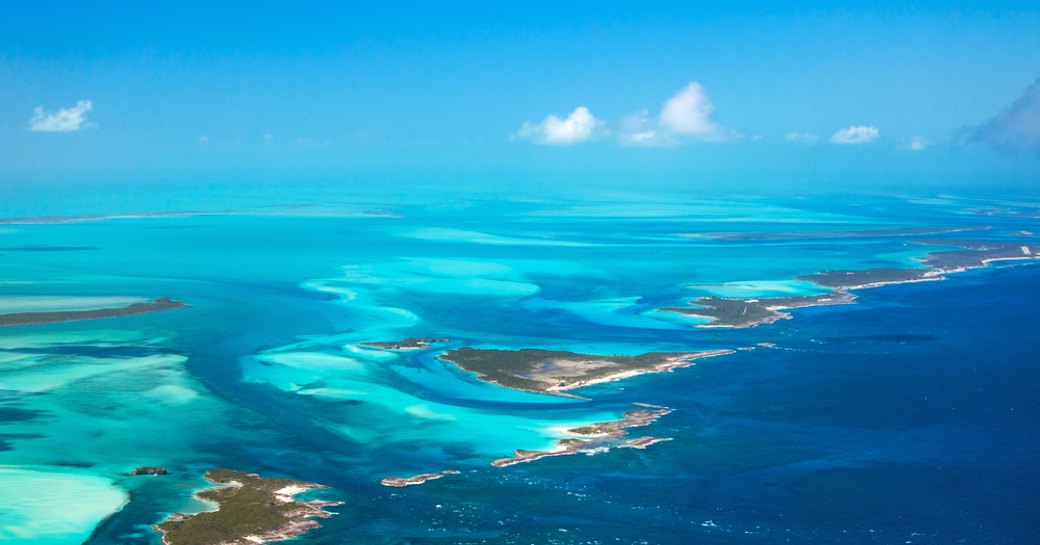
750 312
53 316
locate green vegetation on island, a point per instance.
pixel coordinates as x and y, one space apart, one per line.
597 436
149 470
411 343
401 482
978 253
250 509
726 312
852 279
48 317
554 371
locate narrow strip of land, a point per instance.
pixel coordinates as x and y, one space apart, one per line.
750 312
53 316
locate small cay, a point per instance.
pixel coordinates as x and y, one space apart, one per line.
251 509
150 470
411 343
600 436
401 482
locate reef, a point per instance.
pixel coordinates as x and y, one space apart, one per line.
48 317
251 509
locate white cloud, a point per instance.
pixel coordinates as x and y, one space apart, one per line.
688 113
806 137
64 120
579 126
856 134
916 143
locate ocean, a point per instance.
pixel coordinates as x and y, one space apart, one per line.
908 417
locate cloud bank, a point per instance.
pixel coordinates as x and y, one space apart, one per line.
1015 129
856 134
578 126
64 120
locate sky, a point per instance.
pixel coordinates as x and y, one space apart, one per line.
804 94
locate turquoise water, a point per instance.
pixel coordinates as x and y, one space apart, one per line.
265 371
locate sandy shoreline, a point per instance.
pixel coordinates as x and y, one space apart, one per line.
597 437
401 482
299 515
685 360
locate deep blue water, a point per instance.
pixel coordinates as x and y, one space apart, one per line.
912 417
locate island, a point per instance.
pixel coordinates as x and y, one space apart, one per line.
598 437
250 509
750 312
556 371
49 317
731 312
149 470
976 254
411 343
401 482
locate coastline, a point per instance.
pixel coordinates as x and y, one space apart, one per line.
240 498
740 313
597 437
50 317
590 439
555 372
685 360
401 482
